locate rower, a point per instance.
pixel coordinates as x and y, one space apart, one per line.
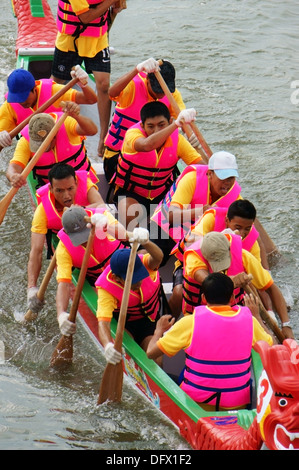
65 188
219 252
67 146
131 92
198 188
151 150
25 95
110 237
217 340
145 294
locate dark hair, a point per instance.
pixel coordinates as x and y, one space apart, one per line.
241 208
217 288
153 109
61 170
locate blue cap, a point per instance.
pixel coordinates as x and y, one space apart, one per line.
119 264
20 83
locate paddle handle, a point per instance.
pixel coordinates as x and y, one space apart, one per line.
43 287
265 315
82 275
125 299
44 106
188 129
5 202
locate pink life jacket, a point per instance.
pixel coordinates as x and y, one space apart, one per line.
103 249
45 93
145 303
69 23
218 359
45 197
191 288
124 118
220 214
141 174
64 151
200 197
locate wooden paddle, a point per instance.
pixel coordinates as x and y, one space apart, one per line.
5 202
121 4
29 315
112 380
205 152
63 353
250 289
43 107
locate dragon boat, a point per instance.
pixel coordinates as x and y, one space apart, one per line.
272 421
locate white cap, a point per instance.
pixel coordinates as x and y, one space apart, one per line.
224 164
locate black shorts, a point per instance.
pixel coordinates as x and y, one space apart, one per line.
110 165
64 61
140 329
162 240
177 278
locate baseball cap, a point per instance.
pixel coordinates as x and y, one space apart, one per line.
224 164
215 248
20 83
168 73
119 264
40 126
75 225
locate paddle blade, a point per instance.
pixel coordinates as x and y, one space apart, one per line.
112 384
63 353
5 202
30 316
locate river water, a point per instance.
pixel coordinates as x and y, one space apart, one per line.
237 65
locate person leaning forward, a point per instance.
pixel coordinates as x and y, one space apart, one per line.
110 236
131 92
197 189
144 299
66 187
219 252
67 146
151 150
217 339
25 95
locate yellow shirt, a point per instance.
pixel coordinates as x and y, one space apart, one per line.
23 154
207 223
185 151
107 303
8 117
127 95
262 279
180 335
185 190
40 220
63 257
87 46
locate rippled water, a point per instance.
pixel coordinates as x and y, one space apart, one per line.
237 64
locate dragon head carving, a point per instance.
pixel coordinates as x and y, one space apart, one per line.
278 395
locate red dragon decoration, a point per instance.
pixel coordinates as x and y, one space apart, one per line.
276 424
